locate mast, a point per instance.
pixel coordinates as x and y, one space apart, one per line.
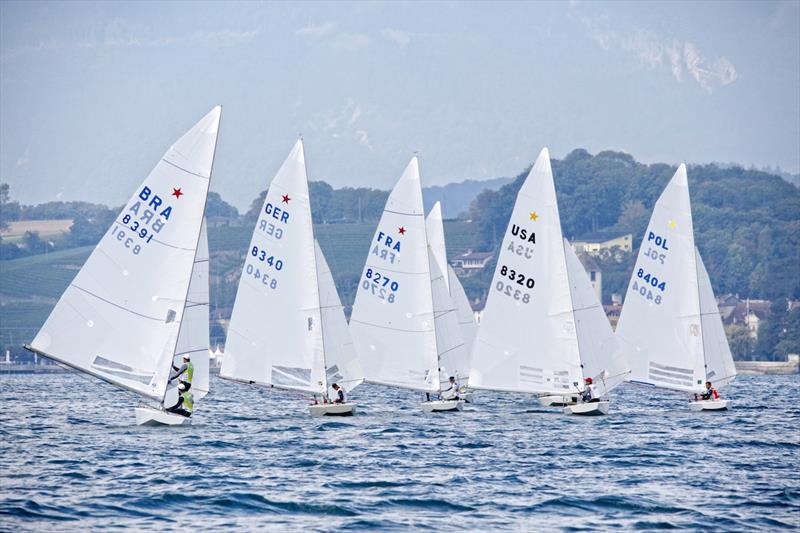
196 244
316 280
572 309
433 306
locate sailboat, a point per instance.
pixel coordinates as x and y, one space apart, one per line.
670 328
125 316
404 325
543 329
288 328
458 298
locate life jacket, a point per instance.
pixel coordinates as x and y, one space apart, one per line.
714 393
189 372
188 401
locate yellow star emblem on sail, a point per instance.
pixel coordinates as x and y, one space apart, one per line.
672 224
534 216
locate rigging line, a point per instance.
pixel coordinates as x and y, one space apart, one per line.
116 305
167 161
384 269
191 351
393 329
404 214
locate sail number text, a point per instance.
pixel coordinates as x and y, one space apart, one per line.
261 255
644 288
265 278
510 290
520 279
380 285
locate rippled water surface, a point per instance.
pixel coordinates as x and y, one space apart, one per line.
72 457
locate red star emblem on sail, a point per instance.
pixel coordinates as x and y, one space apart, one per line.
402 230
285 198
177 192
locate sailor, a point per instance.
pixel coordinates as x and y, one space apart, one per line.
709 394
451 392
185 402
339 394
589 395
186 370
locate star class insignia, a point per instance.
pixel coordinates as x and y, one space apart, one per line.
534 216
177 193
402 230
672 224
285 198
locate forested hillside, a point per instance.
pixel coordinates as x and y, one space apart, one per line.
746 222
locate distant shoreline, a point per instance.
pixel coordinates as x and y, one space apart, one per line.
744 368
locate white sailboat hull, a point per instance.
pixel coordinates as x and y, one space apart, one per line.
332 409
710 405
148 416
557 400
588 408
440 406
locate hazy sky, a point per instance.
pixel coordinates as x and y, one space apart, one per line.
91 94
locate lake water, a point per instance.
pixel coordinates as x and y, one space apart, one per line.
71 457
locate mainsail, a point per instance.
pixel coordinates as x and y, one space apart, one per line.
119 319
527 341
392 323
277 334
669 309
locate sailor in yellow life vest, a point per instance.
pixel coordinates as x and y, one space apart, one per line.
185 402
186 370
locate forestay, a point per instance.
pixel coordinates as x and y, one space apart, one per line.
275 335
599 351
527 340
341 362
660 329
392 322
193 338
120 317
720 368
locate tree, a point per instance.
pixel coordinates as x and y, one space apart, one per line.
790 343
740 341
217 207
771 329
33 243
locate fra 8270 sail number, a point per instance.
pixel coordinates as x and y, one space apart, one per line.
509 289
380 285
